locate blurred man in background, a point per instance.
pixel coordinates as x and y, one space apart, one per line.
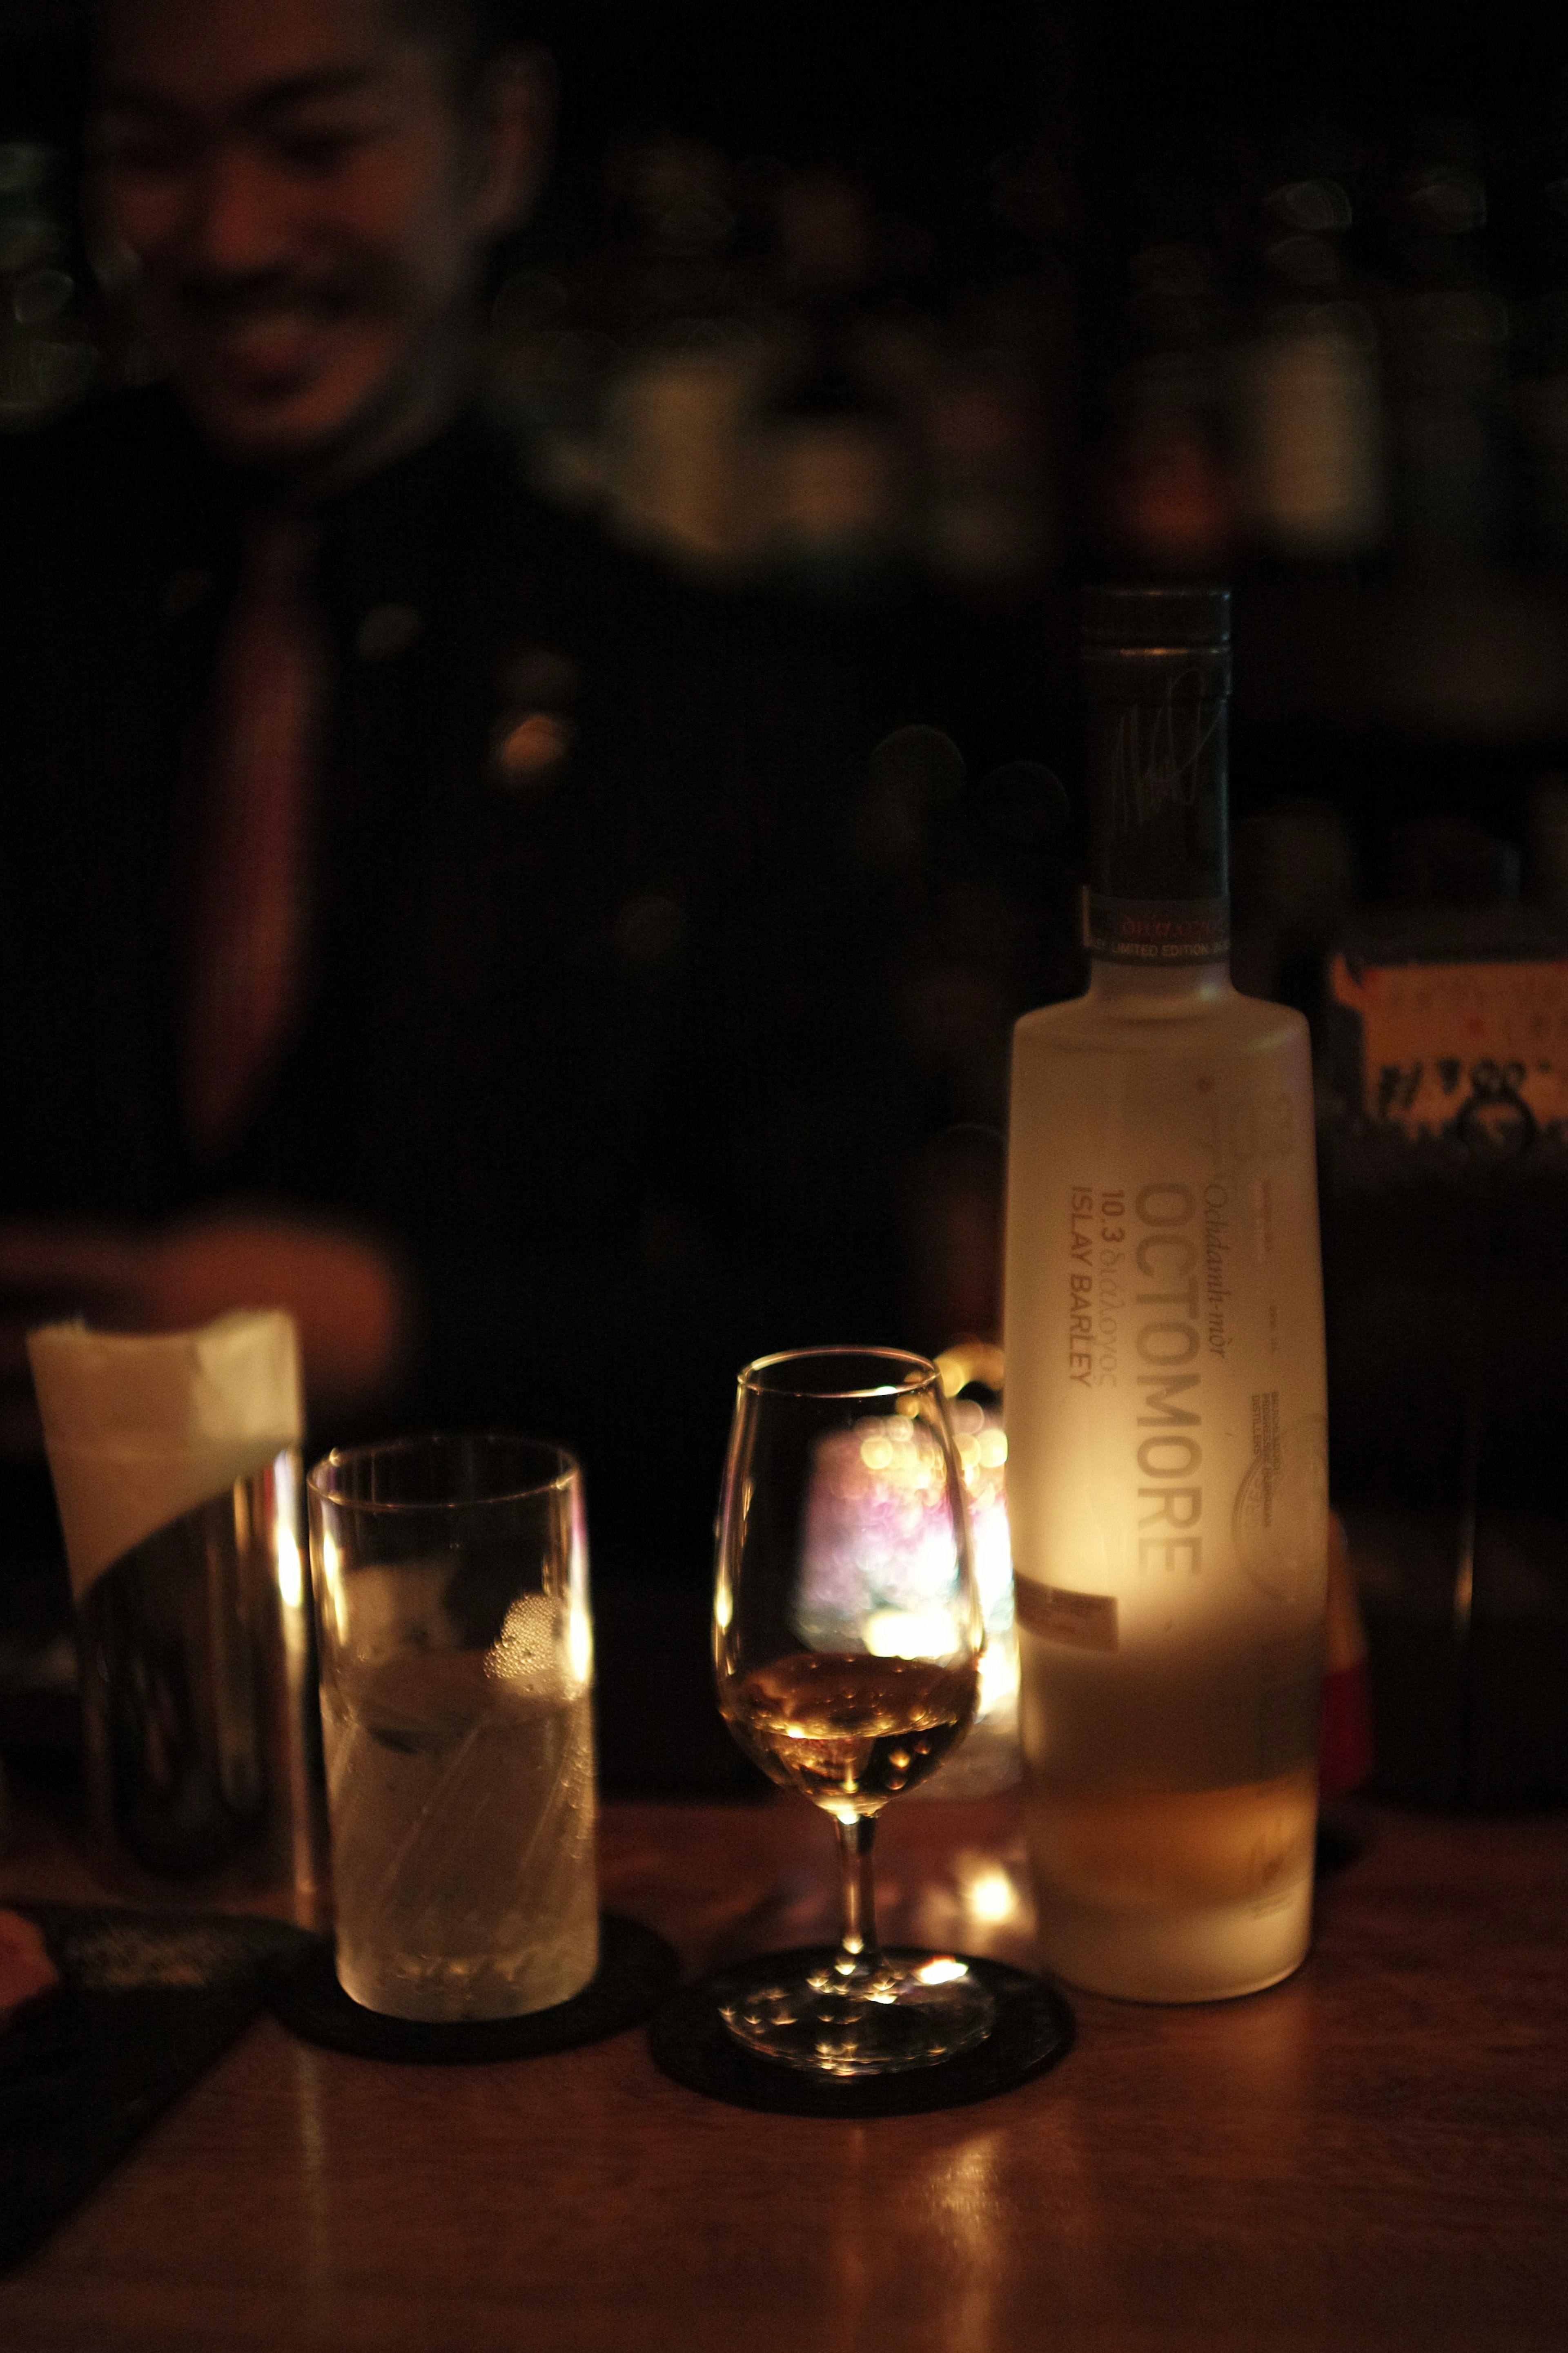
416 913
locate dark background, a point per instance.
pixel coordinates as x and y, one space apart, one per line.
1097 189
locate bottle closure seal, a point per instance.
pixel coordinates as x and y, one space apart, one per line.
1161 932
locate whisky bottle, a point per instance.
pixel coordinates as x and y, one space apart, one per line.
1165 1399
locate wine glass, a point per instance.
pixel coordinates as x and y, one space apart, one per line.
846 1636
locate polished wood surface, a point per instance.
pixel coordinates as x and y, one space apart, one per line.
1375 2154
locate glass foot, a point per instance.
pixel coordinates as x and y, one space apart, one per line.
915 2010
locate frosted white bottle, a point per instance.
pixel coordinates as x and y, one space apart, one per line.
1165 1403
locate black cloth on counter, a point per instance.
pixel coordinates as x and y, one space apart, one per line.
146 2004
603 1044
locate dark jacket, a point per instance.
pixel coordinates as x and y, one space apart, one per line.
597 1042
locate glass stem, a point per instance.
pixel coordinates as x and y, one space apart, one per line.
858 1956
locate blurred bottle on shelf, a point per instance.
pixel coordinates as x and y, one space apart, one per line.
1169 500
46 357
1444 1157
830 458
1449 861
1546 842
1310 426
1447 337
1540 395
546 380
680 410
995 431
978 518
679 428
1293 883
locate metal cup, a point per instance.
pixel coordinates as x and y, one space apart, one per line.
201 1728
179 1484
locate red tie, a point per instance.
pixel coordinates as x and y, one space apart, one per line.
250 896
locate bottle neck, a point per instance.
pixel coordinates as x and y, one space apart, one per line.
1158 895
1156 993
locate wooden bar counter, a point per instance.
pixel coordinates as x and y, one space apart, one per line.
1374 2155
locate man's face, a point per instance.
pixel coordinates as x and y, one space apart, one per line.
307 203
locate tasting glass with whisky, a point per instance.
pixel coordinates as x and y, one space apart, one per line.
847 1640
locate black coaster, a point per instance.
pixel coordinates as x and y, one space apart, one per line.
635 1970
148 2000
691 2043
